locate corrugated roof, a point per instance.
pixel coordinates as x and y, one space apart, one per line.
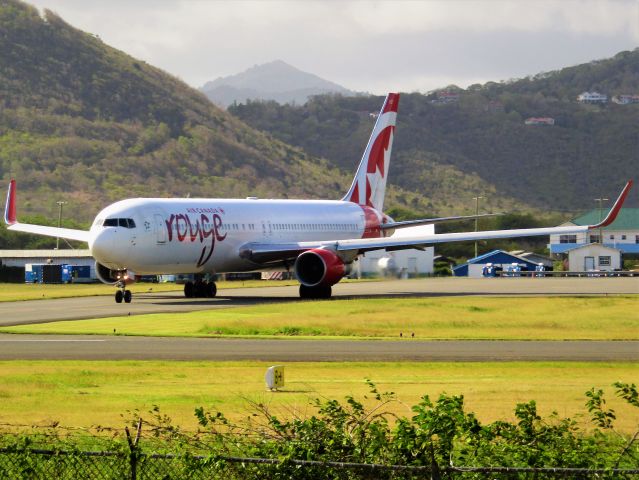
628 219
485 256
44 253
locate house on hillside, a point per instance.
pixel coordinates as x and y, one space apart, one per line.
592 97
446 96
622 234
625 99
539 121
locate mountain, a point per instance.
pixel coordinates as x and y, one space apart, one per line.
455 144
85 123
277 81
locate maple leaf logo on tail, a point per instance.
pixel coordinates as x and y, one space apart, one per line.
369 184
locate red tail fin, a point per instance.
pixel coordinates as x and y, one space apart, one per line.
369 185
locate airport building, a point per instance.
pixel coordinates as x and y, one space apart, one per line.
622 234
21 258
399 263
594 257
499 259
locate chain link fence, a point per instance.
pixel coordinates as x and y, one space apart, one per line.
66 465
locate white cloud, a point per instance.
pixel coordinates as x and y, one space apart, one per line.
365 45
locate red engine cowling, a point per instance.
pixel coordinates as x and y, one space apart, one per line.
319 267
106 275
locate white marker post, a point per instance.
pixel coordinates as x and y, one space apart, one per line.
274 377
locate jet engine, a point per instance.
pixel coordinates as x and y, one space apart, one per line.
112 277
317 270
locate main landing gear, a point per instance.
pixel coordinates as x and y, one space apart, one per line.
200 289
316 293
122 293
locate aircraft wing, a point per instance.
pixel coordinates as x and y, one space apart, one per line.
13 224
431 221
265 253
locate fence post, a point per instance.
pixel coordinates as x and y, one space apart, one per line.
434 468
133 448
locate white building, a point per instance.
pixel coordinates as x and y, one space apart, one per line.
402 263
623 233
592 97
594 257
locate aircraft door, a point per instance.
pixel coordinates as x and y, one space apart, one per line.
267 229
160 231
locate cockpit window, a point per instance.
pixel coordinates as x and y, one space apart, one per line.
119 222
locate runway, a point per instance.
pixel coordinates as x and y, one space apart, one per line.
59 347
87 347
42 311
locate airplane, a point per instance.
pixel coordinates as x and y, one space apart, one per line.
318 239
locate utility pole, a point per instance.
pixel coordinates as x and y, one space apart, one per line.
476 220
57 240
600 200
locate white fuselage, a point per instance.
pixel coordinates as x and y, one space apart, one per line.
205 235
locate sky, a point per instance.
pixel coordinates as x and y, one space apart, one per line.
368 46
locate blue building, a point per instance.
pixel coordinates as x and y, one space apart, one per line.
499 259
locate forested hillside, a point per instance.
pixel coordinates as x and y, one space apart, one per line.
479 143
88 124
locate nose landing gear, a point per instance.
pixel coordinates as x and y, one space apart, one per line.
122 293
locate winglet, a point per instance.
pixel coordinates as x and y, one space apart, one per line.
10 206
614 211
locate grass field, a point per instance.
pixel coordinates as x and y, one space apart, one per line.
99 393
470 317
12 292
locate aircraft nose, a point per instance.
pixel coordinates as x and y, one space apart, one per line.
102 248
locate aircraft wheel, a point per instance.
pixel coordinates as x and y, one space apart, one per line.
200 289
304 292
189 290
319 292
127 296
211 290
119 296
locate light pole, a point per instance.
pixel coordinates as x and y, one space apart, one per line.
476 213
57 240
600 200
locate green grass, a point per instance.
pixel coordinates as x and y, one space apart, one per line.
85 393
464 317
12 292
